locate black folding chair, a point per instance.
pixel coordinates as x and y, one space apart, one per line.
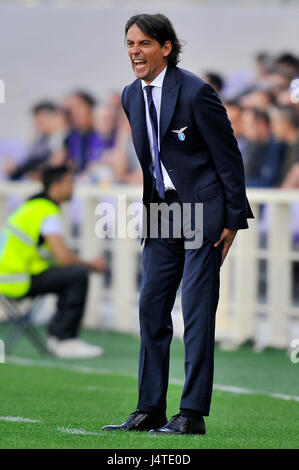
22 324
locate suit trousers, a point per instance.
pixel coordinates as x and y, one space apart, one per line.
70 283
166 262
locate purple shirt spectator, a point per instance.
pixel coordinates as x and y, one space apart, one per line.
84 148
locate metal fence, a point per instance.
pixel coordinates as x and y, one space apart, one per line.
259 297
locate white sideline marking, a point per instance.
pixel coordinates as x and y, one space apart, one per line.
91 370
81 432
20 361
243 391
248 391
233 389
18 419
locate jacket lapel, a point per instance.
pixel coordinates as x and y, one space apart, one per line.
169 97
170 91
138 123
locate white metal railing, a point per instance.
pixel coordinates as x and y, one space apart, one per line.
244 312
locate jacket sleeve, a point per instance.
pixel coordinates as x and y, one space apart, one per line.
124 100
215 128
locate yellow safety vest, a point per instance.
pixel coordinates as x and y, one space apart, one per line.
21 255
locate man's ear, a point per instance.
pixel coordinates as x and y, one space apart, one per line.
167 48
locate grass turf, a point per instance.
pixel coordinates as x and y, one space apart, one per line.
64 401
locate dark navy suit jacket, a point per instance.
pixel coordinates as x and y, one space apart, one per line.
207 166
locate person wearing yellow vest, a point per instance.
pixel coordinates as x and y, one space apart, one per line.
34 260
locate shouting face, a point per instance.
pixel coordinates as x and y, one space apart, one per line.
148 57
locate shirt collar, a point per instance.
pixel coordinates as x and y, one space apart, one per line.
158 81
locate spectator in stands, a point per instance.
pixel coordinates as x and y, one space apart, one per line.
51 126
285 125
83 143
234 112
287 64
122 158
34 260
284 98
131 172
277 83
258 98
214 79
263 154
263 65
119 163
105 123
273 76
114 100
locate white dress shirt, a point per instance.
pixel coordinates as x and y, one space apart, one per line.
156 94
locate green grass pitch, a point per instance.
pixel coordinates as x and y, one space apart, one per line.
66 402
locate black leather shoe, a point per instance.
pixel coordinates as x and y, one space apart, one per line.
180 424
138 421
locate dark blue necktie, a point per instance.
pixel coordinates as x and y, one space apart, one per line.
154 123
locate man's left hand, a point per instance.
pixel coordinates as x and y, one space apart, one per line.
227 236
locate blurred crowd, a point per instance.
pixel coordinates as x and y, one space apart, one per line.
95 138
264 113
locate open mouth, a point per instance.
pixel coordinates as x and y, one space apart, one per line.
139 64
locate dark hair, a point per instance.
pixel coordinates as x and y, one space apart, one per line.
160 28
262 56
261 115
215 79
262 89
290 114
86 97
234 103
258 114
53 174
287 64
48 106
288 59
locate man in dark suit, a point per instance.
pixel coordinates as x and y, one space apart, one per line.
188 154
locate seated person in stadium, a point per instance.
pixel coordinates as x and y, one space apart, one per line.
127 168
263 154
285 125
84 144
257 98
105 123
121 159
214 79
234 112
34 259
51 125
